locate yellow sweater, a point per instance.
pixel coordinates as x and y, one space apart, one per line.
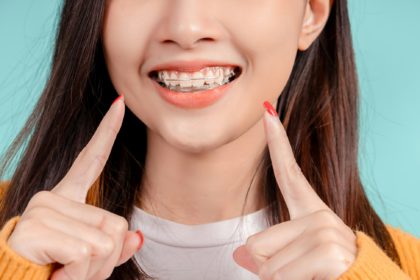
371 262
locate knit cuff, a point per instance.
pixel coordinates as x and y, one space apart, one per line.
14 266
372 262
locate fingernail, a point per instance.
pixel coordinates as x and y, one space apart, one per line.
141 237
270 109
118 98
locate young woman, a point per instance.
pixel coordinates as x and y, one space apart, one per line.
187 174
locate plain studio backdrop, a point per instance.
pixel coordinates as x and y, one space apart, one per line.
386 36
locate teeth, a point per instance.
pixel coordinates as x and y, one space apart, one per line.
221 76
185 80
172 79
198 79
207 78
209 74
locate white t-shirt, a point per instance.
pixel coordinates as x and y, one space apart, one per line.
174 251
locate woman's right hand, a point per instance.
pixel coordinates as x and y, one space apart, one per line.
58 226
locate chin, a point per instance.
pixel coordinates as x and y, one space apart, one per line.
197 141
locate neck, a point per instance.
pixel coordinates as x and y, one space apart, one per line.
206 187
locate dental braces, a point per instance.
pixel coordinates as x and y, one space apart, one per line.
192 88
196 79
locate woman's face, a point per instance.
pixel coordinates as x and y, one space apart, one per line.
259 36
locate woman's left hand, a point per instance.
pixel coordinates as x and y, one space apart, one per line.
315 243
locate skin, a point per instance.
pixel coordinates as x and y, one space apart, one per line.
199 162
209 154
315 238
58 227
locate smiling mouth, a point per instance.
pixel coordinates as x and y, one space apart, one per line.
207 78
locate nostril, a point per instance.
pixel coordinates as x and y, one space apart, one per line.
168 42
206 39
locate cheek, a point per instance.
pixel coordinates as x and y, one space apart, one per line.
124 42
268 36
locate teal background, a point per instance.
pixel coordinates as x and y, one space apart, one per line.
386 39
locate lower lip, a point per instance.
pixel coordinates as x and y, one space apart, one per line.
198 99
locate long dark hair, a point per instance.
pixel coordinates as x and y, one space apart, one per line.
319 108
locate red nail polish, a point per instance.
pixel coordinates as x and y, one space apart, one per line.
140 234
270 108
118 98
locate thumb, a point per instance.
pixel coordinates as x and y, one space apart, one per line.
244 259
132 243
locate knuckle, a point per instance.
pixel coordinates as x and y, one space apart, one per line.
102 218
35 215
251 245
341 267
27 225
290 173
326 216
41 197
83 251
337 256
100 159
111 130
277 172
96 157
108 246
325 235
120 225
332 250
78 183
293 169
38 211
32 224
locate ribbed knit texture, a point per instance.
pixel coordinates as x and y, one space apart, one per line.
371 262
408 248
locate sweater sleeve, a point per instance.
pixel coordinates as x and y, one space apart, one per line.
14 266
372 262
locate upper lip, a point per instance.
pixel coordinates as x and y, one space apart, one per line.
190 66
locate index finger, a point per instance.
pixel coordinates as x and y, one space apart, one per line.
300 197
91 160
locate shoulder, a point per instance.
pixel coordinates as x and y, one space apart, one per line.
400 236
407 246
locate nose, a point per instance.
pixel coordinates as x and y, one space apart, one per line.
188 22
